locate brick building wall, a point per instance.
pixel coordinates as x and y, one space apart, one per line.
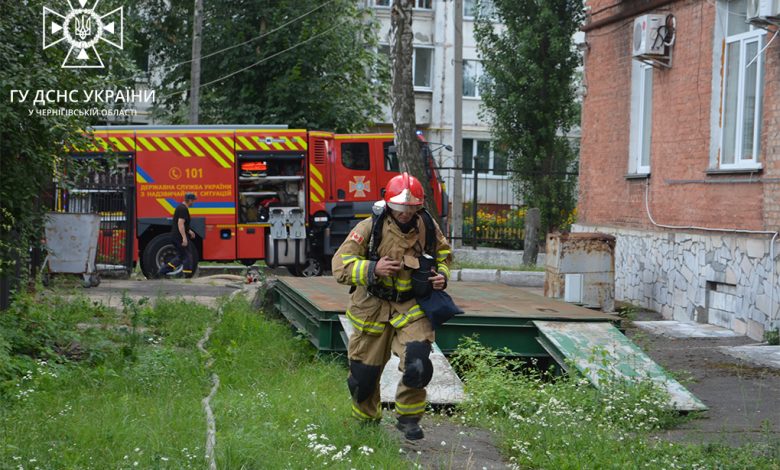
719 277
682 100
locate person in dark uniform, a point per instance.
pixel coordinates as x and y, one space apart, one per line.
180 235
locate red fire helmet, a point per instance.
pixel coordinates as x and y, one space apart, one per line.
404 193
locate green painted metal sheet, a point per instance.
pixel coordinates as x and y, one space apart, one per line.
595 347
500 315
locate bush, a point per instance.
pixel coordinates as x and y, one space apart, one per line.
32 332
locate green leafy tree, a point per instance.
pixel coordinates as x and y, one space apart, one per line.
304 63
530 96
32 143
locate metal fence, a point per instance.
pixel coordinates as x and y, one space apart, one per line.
493 214
109 192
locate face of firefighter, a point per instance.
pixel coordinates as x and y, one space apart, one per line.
404 217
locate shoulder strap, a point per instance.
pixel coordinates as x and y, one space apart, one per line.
376 235
430 232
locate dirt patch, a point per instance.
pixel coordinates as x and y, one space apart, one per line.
205 290
741 396
448 445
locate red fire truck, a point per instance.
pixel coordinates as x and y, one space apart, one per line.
285 196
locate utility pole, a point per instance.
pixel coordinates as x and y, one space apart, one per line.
457 127
197 31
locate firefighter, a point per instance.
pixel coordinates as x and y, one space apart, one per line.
180 229
382 307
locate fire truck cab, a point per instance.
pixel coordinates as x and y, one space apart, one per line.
288 197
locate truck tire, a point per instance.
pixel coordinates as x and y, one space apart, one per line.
161 250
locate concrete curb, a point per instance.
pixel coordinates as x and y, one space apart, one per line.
511 278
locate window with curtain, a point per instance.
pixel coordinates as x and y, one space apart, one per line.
641 117
472 74
423 66
742 89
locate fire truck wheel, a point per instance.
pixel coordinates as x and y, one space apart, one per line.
310 268
159 251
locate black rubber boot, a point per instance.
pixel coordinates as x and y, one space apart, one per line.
410 426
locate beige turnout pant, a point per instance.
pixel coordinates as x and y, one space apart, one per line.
371 346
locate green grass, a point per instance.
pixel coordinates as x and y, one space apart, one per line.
279 402
564 423
129 395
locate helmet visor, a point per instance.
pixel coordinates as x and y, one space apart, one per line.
408 208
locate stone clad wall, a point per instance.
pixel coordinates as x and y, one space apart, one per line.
719 279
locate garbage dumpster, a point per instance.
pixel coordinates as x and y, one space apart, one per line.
71 243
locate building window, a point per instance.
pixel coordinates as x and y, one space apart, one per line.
485 7
382 3
641 117
472 74
355 156
742 89
489 160
424 4
423 65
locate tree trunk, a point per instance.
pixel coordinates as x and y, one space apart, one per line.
197 32
531 241
404 119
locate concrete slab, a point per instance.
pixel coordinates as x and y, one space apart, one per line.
522 278
679 329
761 354
479 275
445 388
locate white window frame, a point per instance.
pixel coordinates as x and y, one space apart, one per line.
428 87
640 141
418 2
376 4
480 73
755 36
491 160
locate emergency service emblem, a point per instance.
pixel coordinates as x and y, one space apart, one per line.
82 29
359 186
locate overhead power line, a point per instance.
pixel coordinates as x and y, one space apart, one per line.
278 28
264 59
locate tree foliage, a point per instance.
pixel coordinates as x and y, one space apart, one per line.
320 71
530 96
30 143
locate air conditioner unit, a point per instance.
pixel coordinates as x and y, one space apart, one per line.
763 11
646 40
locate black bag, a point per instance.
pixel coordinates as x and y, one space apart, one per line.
421 286
439 307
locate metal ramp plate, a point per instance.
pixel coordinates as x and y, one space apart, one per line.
594 346
445 388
